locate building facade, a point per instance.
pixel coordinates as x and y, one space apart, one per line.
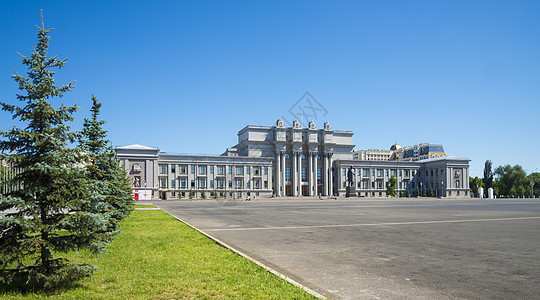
290 161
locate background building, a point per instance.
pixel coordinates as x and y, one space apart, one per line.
294 161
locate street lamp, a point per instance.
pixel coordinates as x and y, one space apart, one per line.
421 190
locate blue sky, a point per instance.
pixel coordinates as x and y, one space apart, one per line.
185 76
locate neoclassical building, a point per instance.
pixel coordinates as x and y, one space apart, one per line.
288 161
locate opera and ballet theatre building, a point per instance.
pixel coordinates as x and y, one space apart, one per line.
294 161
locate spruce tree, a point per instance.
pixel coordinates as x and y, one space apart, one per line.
111 193
51 216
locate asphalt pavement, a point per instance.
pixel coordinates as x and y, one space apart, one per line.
384 249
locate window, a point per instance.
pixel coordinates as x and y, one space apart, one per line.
248 185
304 175
182 183
173 183
393 173
183 169
400 172
372 172
173 194
211 183
239 170
287 174
202 183
220 183
211 169
230 170
366 172
248 170
319 176
192 183
265 184
366 184
192 169
344 172
358 172
202 169
286 156
163 169
230 184
379 184
387 172
318 157
163 183
221 170
256 171
406 173
239 183
379 173
173 169
265 170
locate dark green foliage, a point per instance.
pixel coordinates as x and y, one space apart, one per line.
51 215
191 194
488 175
391 187
474 184
110 190
58 208
203 194
512 181
431 193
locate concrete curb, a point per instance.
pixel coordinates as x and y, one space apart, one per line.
306 289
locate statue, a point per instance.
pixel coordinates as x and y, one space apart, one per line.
327 126
350 176
136 181
312 125
296 124
279 123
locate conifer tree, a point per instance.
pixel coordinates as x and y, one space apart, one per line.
51 215
109 182
110 189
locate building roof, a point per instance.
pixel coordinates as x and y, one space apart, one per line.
136 147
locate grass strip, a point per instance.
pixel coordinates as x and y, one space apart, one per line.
157 257
144 206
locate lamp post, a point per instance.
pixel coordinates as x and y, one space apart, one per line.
421 190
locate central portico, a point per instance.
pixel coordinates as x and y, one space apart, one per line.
303 156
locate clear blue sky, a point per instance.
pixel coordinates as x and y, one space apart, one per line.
185 76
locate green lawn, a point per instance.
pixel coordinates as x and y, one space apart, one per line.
158 257
144 206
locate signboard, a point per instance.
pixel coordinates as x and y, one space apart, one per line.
142 195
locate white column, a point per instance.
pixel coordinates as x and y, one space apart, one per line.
311 185
294 177
282 186
325 175
315 183
330 181
300 174
278 175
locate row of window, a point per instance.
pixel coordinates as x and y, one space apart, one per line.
304 174
220 169
380 172
219 183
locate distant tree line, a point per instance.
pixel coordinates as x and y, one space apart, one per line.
506 181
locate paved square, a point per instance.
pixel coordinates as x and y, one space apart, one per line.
385 249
